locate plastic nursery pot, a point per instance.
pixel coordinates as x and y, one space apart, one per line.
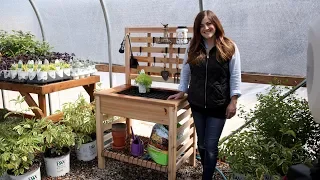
87 152
33 173
59 165
142 88
119 135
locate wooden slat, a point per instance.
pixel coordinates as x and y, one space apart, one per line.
185 125
157 50
141 39
154 29
184 114
107 137
157 60
156 69
185 136
185 147
155 78
184 157
246 77
31 103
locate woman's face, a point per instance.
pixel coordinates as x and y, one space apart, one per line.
207 29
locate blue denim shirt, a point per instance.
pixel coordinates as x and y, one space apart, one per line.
234 68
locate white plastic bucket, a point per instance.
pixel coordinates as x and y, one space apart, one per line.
32 175
58 166
4 176
87 152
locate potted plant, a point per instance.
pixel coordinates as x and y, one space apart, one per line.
23 73
58 140
14 71
18 147
59 69
66 68
42 75
80 116
144 82
52 71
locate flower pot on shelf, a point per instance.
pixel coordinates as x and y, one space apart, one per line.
32 75
119 135
87 152
59 165
6 74
59 73
22 75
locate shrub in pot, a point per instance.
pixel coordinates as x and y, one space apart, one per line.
80 116
144 82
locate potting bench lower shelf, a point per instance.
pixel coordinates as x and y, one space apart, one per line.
117 102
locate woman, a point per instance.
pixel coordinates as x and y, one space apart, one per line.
212 65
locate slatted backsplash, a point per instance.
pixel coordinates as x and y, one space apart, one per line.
146 51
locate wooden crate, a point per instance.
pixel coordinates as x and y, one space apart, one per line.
167 112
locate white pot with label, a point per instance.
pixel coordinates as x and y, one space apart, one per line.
22 75
142 88
52 74
87 152
57 166
67 71
13 73
32 175
32 75
42 75
59 73
6 74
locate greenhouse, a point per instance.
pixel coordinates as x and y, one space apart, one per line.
171 89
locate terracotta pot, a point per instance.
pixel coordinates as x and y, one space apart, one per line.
119 134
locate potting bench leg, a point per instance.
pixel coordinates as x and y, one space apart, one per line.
99 134
90 90
172 148
31 103
129 123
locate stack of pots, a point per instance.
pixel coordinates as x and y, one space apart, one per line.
119 135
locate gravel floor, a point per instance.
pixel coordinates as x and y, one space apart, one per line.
116 170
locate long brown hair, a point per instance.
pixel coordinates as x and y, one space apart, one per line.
224 45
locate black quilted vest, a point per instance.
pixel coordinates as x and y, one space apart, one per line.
209 89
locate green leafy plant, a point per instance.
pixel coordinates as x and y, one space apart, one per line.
144 80
282 134
21 43
80 116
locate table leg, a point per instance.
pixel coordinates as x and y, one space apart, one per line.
172 148
90 90
43 104
129 124
99 135
31 103
192 159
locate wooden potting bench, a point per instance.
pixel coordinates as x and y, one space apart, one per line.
167 112
88 84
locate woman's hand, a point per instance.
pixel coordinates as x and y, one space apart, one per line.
179 95
232 108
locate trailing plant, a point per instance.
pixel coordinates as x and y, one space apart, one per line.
80 116
283 134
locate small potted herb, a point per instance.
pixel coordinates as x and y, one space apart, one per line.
52 71
14 71
144 82
42 75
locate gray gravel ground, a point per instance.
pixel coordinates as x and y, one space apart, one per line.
116 170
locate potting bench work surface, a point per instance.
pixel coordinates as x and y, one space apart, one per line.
88 84
118 101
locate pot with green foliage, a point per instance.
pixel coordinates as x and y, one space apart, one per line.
42 75
14 71
282 133
58 140
80 116
52 71
66 68
23 73
144 82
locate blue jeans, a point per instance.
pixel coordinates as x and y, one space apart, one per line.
209 130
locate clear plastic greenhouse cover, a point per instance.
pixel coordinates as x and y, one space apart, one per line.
271 35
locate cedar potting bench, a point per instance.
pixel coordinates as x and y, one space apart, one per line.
122 101
88 84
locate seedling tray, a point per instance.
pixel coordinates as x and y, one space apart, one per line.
154 93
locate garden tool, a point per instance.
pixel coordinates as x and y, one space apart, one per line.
165 73
176 77
133 61
121 50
